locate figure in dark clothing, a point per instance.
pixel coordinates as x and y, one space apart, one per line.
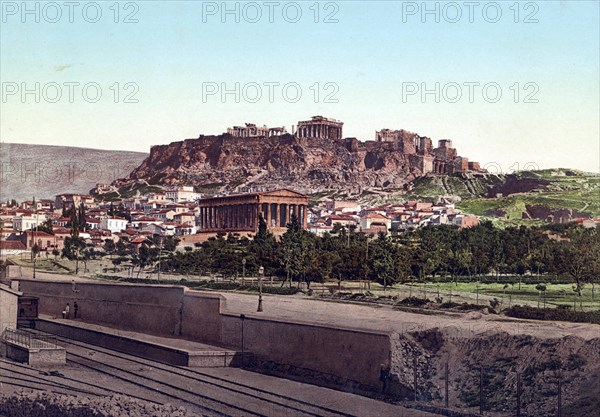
384 375
75 310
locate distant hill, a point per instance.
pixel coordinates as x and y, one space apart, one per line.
523 198
44 171
552 195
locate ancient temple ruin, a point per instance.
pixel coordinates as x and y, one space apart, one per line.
320 127
250 130
443 159
241 212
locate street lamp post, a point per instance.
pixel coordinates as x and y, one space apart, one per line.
261 271
34 256
160 246
243 271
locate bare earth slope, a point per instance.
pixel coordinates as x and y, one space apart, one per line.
43 171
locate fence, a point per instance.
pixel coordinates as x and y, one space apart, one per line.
29 340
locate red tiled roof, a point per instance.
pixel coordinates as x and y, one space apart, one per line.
38 234
12 245
375 216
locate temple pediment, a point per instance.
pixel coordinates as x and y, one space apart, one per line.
283 192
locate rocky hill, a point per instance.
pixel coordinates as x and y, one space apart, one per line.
43 171
372 172
227 164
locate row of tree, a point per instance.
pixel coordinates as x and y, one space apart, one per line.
346 254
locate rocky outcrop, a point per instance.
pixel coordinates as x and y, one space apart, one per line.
50 404
227 163
496 358
553 215
515 184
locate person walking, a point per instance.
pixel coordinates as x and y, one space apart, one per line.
75 310
384 375
67 309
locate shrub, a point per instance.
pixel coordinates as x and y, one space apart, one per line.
562 314
413 302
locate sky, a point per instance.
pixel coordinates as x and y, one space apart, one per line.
515 85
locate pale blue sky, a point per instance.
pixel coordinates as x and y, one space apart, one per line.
368 54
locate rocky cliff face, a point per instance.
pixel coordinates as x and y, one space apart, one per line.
228 163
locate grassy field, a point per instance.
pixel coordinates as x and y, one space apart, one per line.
64 266
556 294
474 293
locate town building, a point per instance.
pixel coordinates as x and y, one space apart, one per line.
375 222
11 247
22 223
182 194
44 241
343 206
67 201
114 224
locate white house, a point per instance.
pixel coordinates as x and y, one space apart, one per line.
182 194
114 224
22 223
375 219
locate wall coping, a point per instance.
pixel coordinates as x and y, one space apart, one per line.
103 282
309 324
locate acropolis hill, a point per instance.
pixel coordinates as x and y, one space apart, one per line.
314 157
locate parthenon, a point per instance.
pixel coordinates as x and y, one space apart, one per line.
241 212
320 127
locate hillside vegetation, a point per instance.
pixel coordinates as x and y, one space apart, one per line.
560 194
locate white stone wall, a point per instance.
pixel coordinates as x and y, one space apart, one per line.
8 308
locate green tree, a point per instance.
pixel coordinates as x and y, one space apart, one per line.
578 257
382 267
73 246
46 227
109 247
295 247
263 250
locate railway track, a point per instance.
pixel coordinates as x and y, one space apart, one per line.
210 393
35 376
